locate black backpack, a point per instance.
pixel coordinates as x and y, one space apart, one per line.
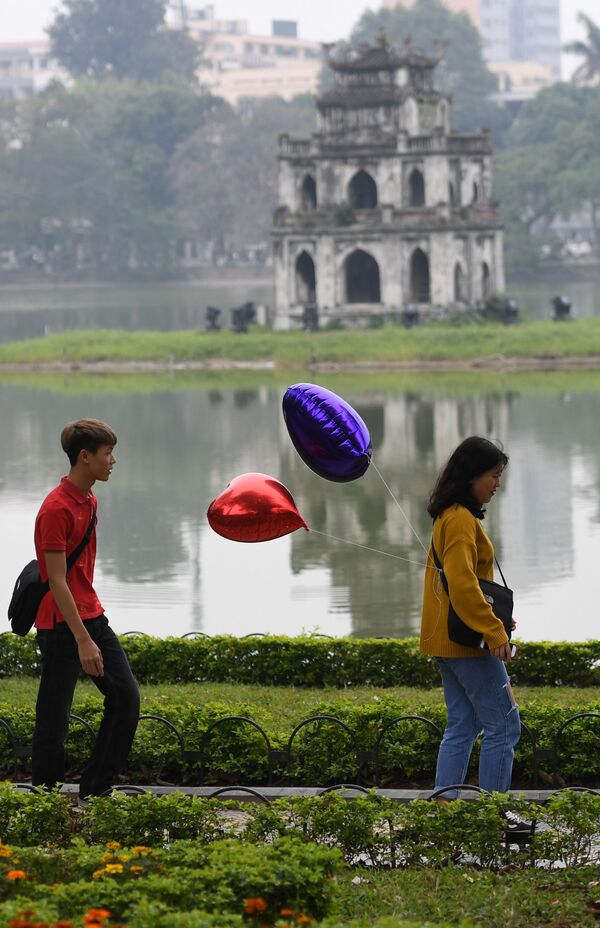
29 590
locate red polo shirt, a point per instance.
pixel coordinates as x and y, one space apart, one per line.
60 525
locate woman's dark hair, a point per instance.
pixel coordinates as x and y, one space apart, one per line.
473 457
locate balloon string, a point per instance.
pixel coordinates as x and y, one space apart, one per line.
366 548
388 488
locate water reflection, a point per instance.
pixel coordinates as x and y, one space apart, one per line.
161 569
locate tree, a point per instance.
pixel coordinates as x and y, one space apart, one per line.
231 203
89 182
121 38
463 72
588 71
578 184
550 167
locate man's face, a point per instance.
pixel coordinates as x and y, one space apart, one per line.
101 463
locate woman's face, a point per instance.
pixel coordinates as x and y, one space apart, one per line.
485 485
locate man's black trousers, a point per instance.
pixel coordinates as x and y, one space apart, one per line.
61 669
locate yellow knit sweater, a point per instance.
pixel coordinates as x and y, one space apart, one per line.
466 554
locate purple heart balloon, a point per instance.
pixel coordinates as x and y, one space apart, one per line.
327 433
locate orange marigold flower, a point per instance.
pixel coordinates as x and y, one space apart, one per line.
98 874
106 857
96 915
19 923
136 869
287 913
303 919
16 875
255 905
114 868
140 850
113 845
4 851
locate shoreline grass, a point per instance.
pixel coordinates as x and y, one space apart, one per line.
435 342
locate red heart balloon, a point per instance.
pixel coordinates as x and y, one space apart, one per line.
254 507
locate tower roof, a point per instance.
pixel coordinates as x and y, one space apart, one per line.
380 56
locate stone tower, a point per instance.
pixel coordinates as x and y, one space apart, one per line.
385 205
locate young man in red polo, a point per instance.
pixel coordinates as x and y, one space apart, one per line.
72 630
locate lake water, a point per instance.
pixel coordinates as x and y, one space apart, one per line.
31 312
182 438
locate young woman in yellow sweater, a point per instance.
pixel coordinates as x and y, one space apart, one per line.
476 686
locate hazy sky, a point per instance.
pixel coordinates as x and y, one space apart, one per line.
25 19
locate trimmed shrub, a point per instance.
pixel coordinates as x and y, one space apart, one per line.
366 830
313 662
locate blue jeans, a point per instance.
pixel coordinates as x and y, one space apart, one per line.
478 698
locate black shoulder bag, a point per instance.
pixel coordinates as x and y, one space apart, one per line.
499 597
30 590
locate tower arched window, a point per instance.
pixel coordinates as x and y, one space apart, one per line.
306 279
416 188
459 284
308 193
362 191
486 282
363 284
420 279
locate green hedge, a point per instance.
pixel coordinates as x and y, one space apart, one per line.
323 752
313 661
367 830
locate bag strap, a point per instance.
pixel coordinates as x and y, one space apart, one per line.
83 543
440 568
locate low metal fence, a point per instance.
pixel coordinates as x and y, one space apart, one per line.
363 768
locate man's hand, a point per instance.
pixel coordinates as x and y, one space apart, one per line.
90 657
504 652
89 653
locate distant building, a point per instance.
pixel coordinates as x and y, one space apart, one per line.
513 30
26 68
385 205
237 64
519 81
457 6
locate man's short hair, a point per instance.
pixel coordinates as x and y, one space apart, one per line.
85 435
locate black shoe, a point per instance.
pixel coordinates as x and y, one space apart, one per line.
517 830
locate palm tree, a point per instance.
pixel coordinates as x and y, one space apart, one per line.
588 71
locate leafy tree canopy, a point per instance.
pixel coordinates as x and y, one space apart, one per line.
91 172
122 38
588 71
550 167
225 175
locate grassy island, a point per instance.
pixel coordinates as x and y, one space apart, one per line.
480 345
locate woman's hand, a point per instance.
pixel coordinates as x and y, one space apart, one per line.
504 652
